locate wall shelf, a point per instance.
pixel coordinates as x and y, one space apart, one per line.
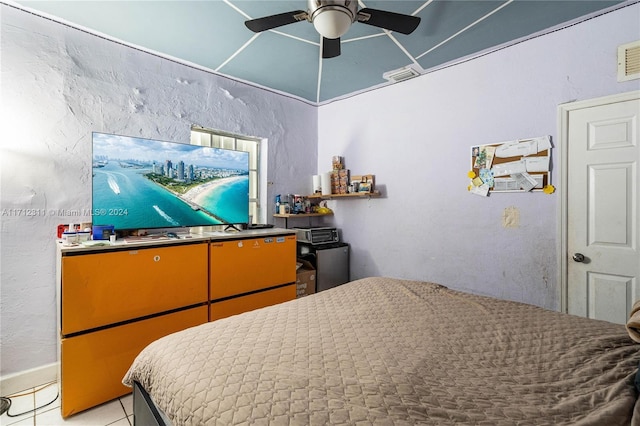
340 196
316 197
286 217
294 215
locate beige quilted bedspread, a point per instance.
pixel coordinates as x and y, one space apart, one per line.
386 351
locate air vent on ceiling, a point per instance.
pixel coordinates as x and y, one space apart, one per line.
401 74
629 61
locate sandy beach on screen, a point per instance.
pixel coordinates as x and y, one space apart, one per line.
196 195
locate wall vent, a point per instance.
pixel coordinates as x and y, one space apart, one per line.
401 74
629 61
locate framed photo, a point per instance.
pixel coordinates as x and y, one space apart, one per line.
365 187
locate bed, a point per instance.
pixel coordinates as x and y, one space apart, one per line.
389 351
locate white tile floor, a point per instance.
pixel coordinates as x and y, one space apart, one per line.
46 403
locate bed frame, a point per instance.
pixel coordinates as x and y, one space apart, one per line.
145 411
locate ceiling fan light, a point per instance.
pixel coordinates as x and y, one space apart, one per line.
332 23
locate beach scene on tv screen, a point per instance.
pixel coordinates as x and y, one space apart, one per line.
143 183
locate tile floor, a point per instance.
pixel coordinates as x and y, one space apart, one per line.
46 403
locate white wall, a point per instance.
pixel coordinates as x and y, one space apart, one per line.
416 138
58 85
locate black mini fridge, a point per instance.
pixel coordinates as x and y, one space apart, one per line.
331 261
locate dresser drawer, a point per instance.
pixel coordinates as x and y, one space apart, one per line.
238 305
105 288
92 365
243 266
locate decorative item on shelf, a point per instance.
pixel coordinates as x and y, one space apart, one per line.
326 184
298 204
337 162
284 208
343 181
364 183
365 187
323 209
316 184
339 176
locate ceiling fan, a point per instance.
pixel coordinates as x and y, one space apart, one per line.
333 18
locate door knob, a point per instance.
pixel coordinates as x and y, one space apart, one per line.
578 257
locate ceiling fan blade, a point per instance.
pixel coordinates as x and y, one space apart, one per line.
269 22
392 21
330 47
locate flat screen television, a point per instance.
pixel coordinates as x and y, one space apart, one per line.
145 184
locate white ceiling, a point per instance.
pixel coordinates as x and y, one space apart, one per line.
211 34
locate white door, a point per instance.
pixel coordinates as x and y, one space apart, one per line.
602 206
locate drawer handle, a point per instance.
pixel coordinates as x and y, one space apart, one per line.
156 258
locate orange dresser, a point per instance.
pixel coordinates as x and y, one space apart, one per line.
113 301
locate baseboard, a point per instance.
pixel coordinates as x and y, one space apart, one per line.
28 379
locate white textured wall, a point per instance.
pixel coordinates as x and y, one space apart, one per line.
416 138
58 85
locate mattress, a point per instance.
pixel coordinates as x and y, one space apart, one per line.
389 351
